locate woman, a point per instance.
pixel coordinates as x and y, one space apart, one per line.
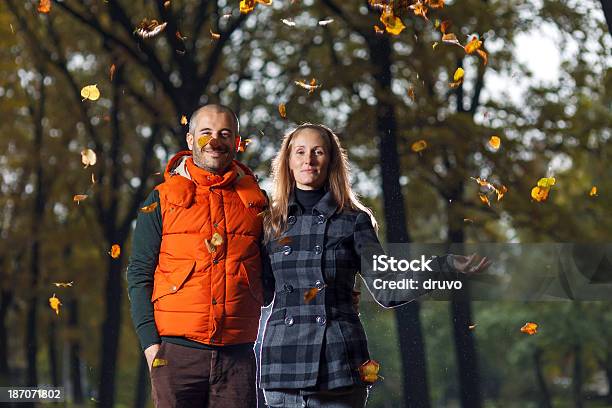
315 232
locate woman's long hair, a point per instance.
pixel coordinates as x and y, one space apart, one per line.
337 182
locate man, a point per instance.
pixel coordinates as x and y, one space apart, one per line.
194 276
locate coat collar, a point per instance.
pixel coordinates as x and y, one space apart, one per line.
326 205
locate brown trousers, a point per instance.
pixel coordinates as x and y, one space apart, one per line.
188 377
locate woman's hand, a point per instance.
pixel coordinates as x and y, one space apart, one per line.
470 265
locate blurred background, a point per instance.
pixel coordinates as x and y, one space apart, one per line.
421 149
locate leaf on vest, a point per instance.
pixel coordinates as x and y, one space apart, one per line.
216 239
311 293
211 248
149 208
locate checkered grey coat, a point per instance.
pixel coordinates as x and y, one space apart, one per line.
320 343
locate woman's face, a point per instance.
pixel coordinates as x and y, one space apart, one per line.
309 159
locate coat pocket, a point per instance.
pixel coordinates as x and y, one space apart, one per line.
171 278
253 280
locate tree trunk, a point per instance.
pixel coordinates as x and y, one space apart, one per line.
412 347
6 299
577 380
52 351
545 401
142 384
607 9
608 370
75 353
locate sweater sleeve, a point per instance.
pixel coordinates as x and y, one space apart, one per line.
146 242
367 246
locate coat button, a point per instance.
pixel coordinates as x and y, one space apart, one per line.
174 288
215 261
286 250
288 288
320 219
215 225
214 301
289 321
319 285
291 220
318 249
321 320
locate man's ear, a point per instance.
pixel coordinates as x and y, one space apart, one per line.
189 139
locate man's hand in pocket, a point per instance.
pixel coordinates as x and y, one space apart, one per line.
150 354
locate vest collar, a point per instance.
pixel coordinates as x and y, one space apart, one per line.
327 205
205 178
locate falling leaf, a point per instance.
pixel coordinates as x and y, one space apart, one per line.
282 110
434 45
214 36
484 199
216 239
392 23
547 182
419 146
79 197
44 6
115 251
209 246
451 38
540 192
411 94
444 26
88 157
246 6
93 179
325 22
184 120
368 371
501 191
530 328
149 208
180 37
149 28
457 78
166 4
468 220
484 183
482 54
55 304
311 293
472 326
473 45
378 30
159 362
90 92
593 191
63 284
111 71
437 23
419 9
435 4
288 22
494 142
310 87
243 144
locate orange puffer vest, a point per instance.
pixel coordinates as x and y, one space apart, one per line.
210 297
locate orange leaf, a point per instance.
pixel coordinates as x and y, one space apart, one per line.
44 6
494 142
484 199
482 54
419 146
444 26
149 208
184 120
282 110
285 241
310 87
539 193
411 94
214 36
310 294
420 9
530 328
378 30
593 191
111 71
435 4
473 45
115 251
55 304
451 38
79 197
368 371
243 144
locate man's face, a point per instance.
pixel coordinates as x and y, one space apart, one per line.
213 144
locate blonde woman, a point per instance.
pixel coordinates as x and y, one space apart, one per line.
315 233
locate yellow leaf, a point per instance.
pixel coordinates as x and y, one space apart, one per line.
368 371
203 141
79 197
546 182
149 208
593 191
392 23
419 146
530 328
434 45
63 284
484 199
282 110
184 120
159 362
473 45
44 6
209 246
55 304
90 92
494 142
216 239
459 72
540 193
246 6
115 251
88 157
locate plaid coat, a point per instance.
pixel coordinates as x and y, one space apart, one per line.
317 344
